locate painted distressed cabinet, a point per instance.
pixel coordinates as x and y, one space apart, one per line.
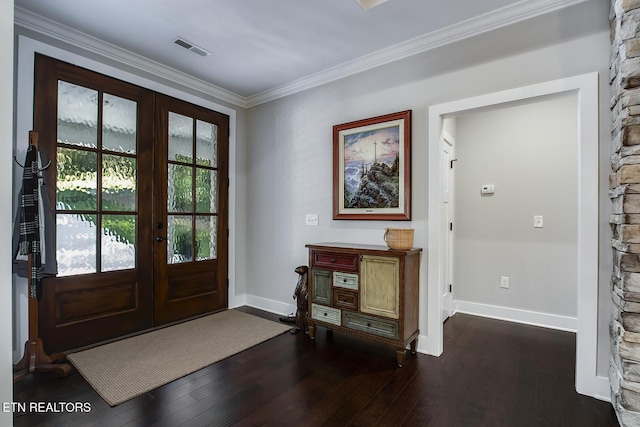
365 290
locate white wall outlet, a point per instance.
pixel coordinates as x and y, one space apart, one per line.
311 219
504 282
487 189
538 221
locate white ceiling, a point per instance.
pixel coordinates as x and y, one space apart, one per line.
262 49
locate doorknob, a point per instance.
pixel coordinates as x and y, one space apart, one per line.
159 238
159 226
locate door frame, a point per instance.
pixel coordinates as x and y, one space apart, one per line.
27 48
586 88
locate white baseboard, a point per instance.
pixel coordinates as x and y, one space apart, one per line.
237 300
603 389
269 305
427 346
545 320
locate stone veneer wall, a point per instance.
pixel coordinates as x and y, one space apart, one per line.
625 220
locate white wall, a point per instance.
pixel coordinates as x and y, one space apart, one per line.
529 153
6 156
289 160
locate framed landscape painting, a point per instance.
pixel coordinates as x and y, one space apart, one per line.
372 168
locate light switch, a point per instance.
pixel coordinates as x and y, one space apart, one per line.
311 219
537 221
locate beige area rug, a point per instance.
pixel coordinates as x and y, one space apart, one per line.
125 369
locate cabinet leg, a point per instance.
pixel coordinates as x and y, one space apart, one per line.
312 332
413 346
401 354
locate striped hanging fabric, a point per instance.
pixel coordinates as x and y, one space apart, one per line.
29 242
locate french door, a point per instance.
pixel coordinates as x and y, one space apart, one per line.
138 216
191 230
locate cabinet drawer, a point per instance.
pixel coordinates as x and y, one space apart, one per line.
335 261
325 314
345 299
371 325
345 280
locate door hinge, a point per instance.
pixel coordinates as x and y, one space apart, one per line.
450 288
227 283
450 226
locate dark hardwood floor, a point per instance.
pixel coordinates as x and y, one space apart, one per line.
492 373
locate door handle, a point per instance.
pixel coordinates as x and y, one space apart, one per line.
159 226
160 238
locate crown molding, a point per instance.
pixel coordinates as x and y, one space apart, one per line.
511 14
57 31
517 12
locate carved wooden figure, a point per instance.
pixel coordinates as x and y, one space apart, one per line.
300 295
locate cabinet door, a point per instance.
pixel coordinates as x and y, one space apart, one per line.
321 286
380 286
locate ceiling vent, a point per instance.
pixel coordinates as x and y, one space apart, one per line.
190 46
368 4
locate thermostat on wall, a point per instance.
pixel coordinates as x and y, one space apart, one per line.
488 189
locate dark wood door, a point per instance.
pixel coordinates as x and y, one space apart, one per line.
190 211
140 222
99 138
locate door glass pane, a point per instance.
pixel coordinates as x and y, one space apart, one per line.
206 190
118 124
180 138
75 244
206 237
179 191
179 242
77 179
118 183
206 143
118 242
77 115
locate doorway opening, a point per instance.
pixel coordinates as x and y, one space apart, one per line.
584 88
513 248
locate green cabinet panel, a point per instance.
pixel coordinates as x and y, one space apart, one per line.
321 286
